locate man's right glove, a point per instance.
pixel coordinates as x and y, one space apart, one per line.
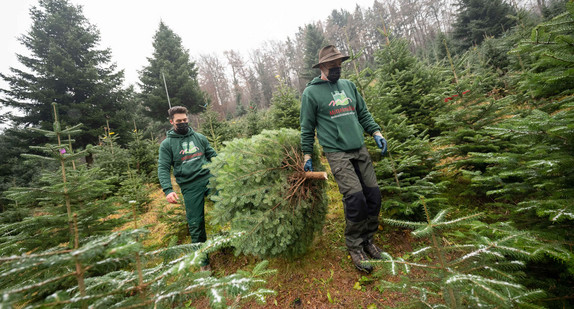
308 167
381 143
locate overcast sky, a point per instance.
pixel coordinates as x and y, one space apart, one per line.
208 26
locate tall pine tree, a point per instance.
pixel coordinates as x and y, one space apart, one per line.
171 61
64 66
313 41
478 19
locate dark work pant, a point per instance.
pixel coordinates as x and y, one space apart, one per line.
357 182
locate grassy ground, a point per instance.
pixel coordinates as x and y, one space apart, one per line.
322 278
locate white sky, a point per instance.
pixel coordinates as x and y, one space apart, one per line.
207 26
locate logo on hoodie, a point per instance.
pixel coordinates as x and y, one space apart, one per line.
339 98
188 148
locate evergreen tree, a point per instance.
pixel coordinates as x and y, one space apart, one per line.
60 193
262 191
478 266
531 177
477 19
552 55
113 271
473 103
65 67
143 155
112 159
215 130
170 61
15 171
285 107
408 84
405 173
314 40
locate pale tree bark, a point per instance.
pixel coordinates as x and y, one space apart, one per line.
214 81
238 78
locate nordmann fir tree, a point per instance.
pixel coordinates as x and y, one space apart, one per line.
534 178
405 173
313 40
170 62
261 190
474 104
64 66
114 271
215 130
143 154
411 86
477 19
112 159
285 107
470 264
61 193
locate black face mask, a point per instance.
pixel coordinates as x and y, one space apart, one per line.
181 128
334 74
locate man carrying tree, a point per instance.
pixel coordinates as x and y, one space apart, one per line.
187 151
337 111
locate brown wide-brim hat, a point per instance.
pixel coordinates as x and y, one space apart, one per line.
329 53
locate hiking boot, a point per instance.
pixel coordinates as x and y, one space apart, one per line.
372 250
359 257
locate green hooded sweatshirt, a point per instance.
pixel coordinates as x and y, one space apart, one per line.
187 154
339 114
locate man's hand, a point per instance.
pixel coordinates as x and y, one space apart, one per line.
308 167
381 142
172 198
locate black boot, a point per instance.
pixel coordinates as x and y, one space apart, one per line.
359 257
372 250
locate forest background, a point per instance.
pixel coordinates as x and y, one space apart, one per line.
474 97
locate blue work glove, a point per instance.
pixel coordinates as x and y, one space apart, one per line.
382 143
308 166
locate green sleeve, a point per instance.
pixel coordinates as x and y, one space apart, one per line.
365 118
164 164
308 123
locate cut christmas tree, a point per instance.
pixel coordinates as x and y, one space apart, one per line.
259 187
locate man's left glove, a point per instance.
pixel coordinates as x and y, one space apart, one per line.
381 143
308 167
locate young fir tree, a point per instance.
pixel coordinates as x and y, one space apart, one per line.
551 52
405 173
215 130
285 108
171 63
533 178
61 192
470 264
262 190
410 86
143 155
475 103
114 271
64 66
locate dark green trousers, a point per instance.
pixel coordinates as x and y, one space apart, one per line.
356 179
194 200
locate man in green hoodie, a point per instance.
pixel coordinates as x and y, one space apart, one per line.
335 109
187 151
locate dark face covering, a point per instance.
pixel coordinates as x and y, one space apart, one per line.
181 128
334 74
